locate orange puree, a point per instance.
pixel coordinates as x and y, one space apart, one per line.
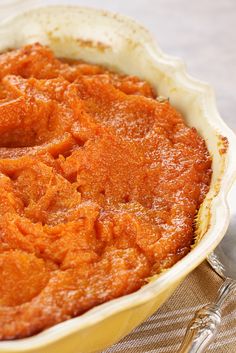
99 186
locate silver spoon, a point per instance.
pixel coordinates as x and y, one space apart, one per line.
203 327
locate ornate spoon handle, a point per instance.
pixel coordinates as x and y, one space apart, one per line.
206 321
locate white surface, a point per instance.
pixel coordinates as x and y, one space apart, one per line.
202 32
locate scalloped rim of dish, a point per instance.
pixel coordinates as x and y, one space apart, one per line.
194 257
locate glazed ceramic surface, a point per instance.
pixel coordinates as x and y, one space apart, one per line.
123 45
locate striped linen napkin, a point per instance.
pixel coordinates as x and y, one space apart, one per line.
164 331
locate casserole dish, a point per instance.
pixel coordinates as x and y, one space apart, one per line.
122 45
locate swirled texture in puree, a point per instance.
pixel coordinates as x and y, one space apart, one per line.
99 186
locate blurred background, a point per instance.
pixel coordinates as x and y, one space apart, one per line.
201 32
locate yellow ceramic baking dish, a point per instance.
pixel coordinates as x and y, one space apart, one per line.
120 43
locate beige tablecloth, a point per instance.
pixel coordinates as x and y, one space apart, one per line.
163 332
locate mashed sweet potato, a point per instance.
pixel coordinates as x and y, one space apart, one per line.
99 186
